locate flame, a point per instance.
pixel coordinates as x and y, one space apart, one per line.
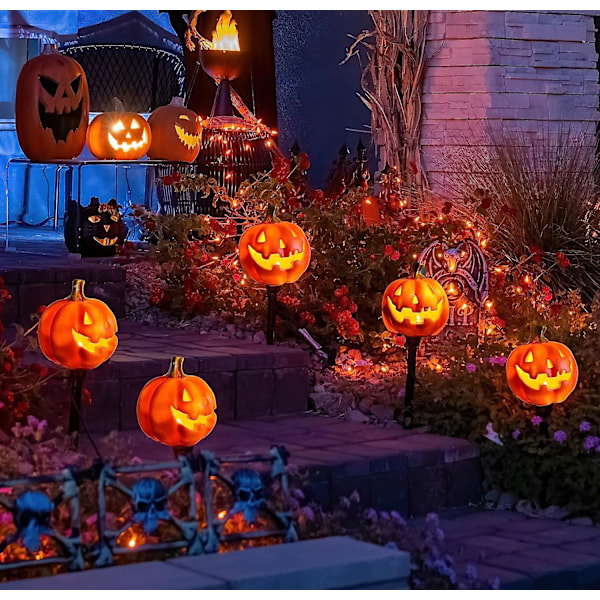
225 35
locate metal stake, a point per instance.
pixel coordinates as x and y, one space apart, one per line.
412 345
77 377
271 310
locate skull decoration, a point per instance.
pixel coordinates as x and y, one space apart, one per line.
149 498
31 514
52 107
99 226
249 494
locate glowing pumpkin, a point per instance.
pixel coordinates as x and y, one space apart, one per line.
274 253
52 107
415 307
78 332
176 133
542 373
176 409
119 135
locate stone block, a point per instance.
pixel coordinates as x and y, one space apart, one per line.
290 391
463 483
427 489
30 296
104 414
284 356
130 390
254 393
390 491
247 359
153 575
416 455
346 486
563 534
210 361
326 563
223 385
509 580
494 545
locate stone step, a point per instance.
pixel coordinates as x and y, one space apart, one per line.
36 280
249 380
327 563
410 471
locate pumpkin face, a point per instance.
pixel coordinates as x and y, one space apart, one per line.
176 133
542 373
274 253
415 307
119 136
78 332
52 107
177 409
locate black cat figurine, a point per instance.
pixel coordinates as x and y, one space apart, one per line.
100 229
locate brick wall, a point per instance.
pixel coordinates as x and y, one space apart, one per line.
533 71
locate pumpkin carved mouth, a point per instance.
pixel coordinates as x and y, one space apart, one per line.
127 146
414 317
106 241
189 140
536 383
186 421
61 124
86 343
285 263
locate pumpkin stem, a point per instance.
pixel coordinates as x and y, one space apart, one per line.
119 107
176 367
49 49
542 334
419 270
271 214
77 293
177 101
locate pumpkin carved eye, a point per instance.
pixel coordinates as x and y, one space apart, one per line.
398 292
262 238
184 117
87 320
75 84
135 124
48 84
281 244
118 126
529 357
415 300
549 363
94 219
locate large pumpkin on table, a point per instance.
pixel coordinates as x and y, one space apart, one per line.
52 107
177 409
78 332
176 133
415 307
274 253
119 135
542 373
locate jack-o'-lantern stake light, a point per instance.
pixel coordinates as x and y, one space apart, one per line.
414 307
176 409
78 333
542 373
274 253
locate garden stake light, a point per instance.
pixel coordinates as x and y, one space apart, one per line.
414 307
78 333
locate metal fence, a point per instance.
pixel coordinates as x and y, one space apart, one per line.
192 505
143 78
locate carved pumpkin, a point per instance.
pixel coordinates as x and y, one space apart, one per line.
176 133
78 332
542 373
52 107
119 135
177 409
274 253
415 307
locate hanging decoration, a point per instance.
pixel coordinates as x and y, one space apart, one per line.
119 135
176 133
52 107
176 409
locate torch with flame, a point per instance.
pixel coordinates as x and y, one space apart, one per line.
225 36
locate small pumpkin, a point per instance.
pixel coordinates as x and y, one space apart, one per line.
415 306
176 133
274 253
176 409
52 107
78 332
119 135
542 372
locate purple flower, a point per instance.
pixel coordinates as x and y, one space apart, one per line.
536 420
471 368
584 426
516 433
371 514
497 360
397 518
560 436
354 497
591 442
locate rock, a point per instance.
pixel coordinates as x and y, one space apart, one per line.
492 495
319 388
365 404
259 338
506 500
525 507
383 412
554 512
357 417
328 402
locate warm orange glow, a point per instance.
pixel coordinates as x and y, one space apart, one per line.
131 543
222 514
225 35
